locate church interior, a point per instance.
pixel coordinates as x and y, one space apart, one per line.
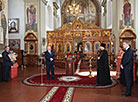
75 30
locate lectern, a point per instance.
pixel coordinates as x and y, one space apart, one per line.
69 65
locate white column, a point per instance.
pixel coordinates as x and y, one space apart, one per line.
136 22
115 24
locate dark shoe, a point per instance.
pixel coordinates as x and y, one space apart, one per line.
6 80
9 78
118 79
126 95
54 78
123 91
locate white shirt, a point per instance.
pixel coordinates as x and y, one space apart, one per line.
49 52
127 48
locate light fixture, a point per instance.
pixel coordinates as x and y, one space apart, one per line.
74 9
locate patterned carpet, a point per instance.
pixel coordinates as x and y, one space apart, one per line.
65 81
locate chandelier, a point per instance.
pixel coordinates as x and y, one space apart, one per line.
74 9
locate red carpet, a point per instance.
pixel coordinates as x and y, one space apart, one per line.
66 81
59 94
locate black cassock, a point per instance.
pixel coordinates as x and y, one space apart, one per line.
103 72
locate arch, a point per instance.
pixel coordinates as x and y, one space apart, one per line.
68 47
30 35
95 2
77 42
128 32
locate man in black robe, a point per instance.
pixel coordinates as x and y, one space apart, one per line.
127 66
103 72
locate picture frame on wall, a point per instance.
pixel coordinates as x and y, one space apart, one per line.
13 25
31 17
14 44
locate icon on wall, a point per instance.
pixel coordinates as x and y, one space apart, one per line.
13 25
2 5
14 44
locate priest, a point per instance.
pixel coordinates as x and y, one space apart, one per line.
103 72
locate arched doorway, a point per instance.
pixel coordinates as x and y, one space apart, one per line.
78 45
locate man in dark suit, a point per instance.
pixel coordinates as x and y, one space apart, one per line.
7 62
50 57
127 65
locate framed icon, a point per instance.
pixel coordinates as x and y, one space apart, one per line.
13 25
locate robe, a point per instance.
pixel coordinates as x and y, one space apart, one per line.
103 72
118 62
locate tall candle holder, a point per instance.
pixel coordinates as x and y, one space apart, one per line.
90 71
42 67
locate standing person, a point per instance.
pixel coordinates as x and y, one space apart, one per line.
119 60
50 57
127 65
7 62
103 72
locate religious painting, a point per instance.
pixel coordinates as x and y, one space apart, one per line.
31 47
3 28
3 24
87 47
31 17
2 5
59 47
1 36
68 47
96 47
87 34
13 25
127 14
108 47
14 44
52 44
80 47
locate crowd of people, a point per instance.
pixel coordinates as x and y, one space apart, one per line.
124 69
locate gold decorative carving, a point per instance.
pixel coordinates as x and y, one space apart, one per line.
78 25
107 33
124 34
73 39
31 42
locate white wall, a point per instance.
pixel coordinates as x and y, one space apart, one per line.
109 14
16 10
42 27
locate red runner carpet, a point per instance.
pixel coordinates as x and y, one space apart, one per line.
59 94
